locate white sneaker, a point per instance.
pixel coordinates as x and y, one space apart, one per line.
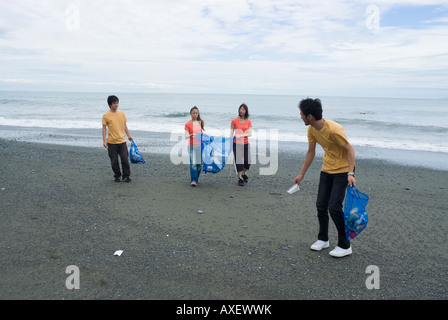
319 245
338 252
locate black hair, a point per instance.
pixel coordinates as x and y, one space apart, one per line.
312 107
199 116
245 108
112 99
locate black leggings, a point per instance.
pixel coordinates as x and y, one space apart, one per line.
241 153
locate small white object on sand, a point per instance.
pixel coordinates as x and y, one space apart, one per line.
293 189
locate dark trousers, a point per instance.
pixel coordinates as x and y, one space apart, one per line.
121 150
241 153
330 198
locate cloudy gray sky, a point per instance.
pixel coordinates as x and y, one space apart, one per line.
392 48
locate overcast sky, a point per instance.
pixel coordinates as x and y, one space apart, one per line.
390 48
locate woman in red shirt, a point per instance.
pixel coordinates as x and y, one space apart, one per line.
193 126
241 128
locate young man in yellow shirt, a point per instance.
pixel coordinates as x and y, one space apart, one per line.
338 170
115 121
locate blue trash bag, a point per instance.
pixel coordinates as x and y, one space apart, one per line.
355 215
214 151
135 155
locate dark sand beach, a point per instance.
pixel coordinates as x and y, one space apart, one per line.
60 207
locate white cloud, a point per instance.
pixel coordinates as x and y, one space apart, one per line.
228 46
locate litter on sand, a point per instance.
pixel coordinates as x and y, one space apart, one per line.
293 189
118 253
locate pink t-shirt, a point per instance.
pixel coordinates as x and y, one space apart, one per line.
193 129
241 128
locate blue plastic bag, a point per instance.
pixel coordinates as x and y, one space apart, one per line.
215 151
355 215
135 155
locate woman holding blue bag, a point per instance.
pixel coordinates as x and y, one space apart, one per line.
338 170
193 126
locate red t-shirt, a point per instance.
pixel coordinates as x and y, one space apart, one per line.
193 129
241 128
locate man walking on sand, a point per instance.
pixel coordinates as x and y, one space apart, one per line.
115 121
338 169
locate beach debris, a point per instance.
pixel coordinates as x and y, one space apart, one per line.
118 253
200 211
293 189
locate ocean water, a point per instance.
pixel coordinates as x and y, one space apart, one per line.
409 131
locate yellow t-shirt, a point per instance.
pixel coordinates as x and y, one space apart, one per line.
115 122
332 138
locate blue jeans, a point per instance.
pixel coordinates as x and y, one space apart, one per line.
195 162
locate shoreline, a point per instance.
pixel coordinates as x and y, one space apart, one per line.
162 143
60 207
